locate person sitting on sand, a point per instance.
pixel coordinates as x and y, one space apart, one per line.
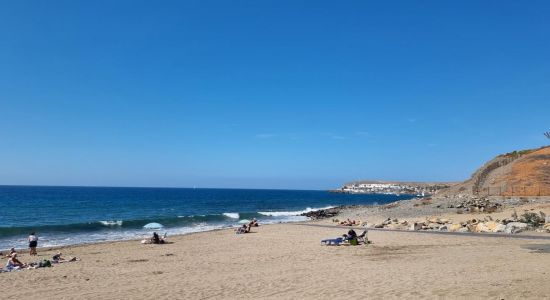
351 237
12 251
252 223
243 229
60 259
13 262
352 234
156 239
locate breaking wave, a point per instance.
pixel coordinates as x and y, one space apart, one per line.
232 215
291 213
111 223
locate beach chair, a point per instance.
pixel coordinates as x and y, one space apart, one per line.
332 242
363 237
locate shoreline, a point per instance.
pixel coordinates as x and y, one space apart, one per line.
58 247
321 216
139 239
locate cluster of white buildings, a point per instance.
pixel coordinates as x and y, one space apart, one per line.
384 188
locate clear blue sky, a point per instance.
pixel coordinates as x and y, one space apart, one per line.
267 94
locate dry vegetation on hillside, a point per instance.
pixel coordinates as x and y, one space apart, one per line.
531 173
518 173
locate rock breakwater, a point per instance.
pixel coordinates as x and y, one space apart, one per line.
528 221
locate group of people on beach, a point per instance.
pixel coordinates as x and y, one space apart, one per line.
14 263
247 227
33 243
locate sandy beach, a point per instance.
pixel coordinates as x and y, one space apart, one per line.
212 149
286 261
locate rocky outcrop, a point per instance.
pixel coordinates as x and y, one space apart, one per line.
514 224
475 204
516 227
324 213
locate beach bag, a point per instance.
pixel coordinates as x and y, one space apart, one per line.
45 263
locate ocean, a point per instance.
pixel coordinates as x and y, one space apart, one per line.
76 215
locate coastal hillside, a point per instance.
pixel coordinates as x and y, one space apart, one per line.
518 173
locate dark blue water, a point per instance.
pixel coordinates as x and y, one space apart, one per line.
69 215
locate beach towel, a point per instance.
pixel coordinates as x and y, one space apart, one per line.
335 242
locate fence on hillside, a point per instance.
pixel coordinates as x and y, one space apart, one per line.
515 190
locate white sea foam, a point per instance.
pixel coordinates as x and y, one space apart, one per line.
290 213
191 216
111 223
284 219
61 239
232 215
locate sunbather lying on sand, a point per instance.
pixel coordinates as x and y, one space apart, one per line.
348 222
60 259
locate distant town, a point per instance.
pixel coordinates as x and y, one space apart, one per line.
395 188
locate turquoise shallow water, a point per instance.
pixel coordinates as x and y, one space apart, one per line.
71 215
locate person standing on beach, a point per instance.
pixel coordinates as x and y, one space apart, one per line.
33 242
